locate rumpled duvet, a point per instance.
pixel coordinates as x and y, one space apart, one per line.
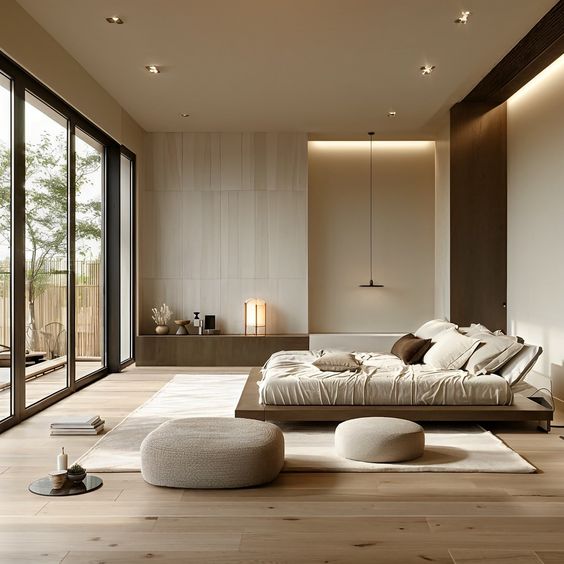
289 378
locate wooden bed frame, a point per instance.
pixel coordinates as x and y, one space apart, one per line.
523 409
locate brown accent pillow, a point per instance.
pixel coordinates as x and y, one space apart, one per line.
411 349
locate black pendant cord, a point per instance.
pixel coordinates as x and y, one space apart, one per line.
371 210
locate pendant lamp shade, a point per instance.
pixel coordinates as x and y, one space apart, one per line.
371 283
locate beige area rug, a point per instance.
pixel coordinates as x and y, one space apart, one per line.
309 446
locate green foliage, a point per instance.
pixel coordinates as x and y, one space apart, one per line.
76 469
46 204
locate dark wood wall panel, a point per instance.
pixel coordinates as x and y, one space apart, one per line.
213 350
478 214
479 175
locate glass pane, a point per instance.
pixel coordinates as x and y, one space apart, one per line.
125 259
89 263
5 247
46 210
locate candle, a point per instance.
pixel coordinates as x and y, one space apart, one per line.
62 460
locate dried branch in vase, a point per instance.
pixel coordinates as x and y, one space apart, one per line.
162 314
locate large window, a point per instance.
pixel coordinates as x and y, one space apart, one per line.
5 247
89 255
46 249
66 289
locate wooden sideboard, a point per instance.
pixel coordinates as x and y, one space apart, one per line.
213 350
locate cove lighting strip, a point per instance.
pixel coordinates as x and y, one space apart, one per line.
376 144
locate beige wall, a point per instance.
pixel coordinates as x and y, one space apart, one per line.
260 244
224 219
339 243
535 167
442 221
27 43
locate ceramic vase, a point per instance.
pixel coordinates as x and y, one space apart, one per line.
58 479
162 329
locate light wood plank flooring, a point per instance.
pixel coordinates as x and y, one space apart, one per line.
314 518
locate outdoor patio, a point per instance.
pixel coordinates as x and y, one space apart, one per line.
42 384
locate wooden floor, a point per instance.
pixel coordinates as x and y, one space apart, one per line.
315 518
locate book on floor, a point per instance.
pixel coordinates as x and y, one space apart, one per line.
58 432
97 429
76 421
78 425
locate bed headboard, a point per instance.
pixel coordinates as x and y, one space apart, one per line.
362 342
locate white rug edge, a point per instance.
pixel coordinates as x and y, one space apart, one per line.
104 435
532 469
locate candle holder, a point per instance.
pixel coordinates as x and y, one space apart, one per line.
182 326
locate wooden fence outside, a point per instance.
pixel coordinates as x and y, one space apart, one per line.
51 310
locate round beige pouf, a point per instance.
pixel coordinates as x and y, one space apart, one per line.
212 452
379 439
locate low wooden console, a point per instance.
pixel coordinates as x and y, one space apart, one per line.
213 350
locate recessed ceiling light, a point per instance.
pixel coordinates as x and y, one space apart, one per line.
463 18
427 69
153 69
392 114
184 115
114 20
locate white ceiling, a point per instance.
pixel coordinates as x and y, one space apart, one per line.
321 66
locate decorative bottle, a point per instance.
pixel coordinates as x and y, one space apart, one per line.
197 322
62 460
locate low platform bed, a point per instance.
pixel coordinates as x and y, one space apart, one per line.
522 409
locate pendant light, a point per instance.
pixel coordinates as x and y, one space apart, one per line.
371 283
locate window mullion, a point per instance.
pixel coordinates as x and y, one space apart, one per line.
18 249
71 254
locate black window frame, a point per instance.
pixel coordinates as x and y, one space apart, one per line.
124 151
23 82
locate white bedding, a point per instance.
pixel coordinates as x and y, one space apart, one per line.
288 378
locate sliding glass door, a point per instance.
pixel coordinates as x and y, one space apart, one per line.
66 260
89 255
46 249
6 409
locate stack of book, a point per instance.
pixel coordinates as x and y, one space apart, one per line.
78 425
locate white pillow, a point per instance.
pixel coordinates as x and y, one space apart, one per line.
451 351
521 364
476 328
433 328
493 353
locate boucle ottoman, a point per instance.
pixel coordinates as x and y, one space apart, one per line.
212 452
379 439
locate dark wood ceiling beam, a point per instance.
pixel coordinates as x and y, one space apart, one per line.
538 49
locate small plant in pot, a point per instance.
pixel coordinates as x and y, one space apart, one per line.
76 473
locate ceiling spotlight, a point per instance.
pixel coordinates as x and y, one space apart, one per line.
153 69
184 115
463 18
392 114
427 69
114 20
